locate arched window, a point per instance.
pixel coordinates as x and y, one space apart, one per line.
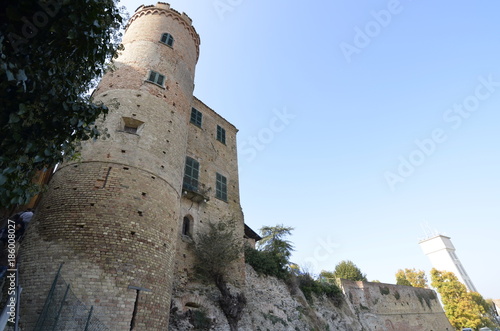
187 226
167 39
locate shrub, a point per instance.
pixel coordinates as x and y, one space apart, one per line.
267 263
308 286
216 249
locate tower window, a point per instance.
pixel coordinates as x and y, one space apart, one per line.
130 129
187 226
131 125
196 117
167 39
191 173
221 134
221 187
156 78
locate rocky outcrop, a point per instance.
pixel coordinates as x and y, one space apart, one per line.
273 305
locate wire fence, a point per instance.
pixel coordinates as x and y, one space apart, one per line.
63 311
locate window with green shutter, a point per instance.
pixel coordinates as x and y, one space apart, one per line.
191 174
196 117
221 134
167 39
221 187
156 78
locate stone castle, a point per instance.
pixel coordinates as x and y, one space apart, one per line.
122 219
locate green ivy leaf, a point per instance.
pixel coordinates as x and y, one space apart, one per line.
22 109
13 118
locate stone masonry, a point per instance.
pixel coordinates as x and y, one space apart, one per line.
117 217
391 307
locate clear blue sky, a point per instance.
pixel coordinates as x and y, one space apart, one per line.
359 122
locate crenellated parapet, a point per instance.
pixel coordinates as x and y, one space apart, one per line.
162 8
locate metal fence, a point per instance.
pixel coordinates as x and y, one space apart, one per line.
63 311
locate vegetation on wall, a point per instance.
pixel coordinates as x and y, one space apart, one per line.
273 254
308 285
197 318
267 263
272 259
51 53
273 240
215 251
346 270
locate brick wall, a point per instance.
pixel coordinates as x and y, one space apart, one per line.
112 230
113 216
213 157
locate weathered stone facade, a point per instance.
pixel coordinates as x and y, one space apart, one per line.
364 306
214 157
116 217
394 307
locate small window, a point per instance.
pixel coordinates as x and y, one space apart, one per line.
191 173
167 39
186 226
156 78
130 129
196 117
131 125
221 134
221 187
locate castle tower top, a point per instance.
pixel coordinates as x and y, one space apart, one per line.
162 8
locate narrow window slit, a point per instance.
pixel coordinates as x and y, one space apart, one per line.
106 178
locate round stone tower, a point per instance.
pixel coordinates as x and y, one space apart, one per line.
112 217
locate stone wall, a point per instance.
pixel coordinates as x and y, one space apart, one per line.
271 306
394 307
